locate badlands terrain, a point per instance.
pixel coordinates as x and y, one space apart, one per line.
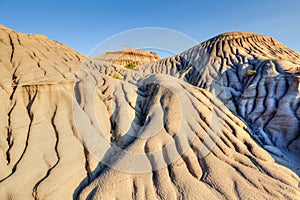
218 121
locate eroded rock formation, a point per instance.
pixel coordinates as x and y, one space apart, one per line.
194 126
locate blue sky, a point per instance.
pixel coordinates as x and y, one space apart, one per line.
84 24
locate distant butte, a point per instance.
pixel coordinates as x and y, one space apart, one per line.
129 55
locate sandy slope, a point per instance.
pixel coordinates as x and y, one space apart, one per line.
181 142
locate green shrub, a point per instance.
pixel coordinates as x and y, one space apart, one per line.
117 77
130 66
250 72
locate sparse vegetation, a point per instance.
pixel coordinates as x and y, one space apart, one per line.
250 72
130 66
117 77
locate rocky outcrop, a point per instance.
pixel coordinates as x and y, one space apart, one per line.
129 55
70 129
